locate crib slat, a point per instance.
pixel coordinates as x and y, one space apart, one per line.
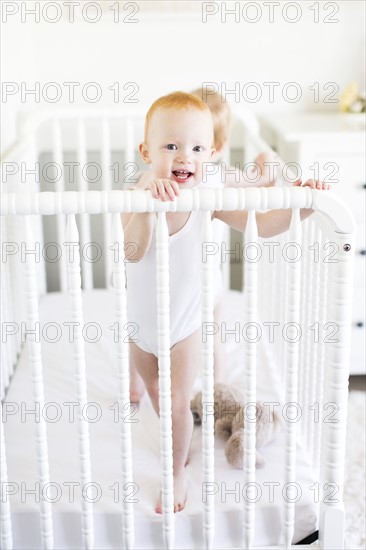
6 348
35 359
5 514
314 366
165 402
304 304
226 231
336 372
251 316
106 154
308 337
208 439
74 284
107 186
33 185
321 353
266 295
119 284
85 234
292 358
314 301
57 154
17 288
282 307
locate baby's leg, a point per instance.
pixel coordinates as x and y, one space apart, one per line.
185 360
137 386
145 366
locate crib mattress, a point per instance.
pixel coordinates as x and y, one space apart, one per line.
105 446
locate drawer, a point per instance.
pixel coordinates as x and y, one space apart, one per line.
360 255
359 275
358 306
360 237
358 324
357 355
357 363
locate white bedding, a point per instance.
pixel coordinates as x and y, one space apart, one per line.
105 448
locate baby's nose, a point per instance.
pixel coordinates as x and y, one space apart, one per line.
183 156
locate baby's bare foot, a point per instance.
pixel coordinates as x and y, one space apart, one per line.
180 494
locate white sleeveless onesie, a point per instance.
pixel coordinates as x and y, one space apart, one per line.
185 266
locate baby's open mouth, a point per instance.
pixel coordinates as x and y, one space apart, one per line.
181 176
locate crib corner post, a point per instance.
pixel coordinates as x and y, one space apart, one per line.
336 373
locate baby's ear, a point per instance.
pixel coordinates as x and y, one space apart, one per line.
144 152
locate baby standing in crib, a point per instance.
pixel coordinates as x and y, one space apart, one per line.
219 176
178 142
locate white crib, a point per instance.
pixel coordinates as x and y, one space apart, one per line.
297 285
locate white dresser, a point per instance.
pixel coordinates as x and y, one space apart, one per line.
331 147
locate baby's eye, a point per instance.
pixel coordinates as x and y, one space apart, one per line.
171 147
198 149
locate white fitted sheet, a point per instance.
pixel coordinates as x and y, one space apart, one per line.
105 447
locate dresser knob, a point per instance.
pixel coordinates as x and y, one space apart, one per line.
359 324
363 252
364 186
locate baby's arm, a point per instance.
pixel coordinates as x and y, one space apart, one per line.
266 169
138 227
273 222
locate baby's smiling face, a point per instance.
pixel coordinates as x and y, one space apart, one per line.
178 143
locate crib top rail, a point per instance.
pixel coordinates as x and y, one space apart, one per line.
337 214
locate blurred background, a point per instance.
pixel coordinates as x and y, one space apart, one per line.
297 69
151 48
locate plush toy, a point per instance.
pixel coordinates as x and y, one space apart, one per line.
230 417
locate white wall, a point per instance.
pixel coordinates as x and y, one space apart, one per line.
181 53
17 65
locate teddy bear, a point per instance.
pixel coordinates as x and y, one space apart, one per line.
230 416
